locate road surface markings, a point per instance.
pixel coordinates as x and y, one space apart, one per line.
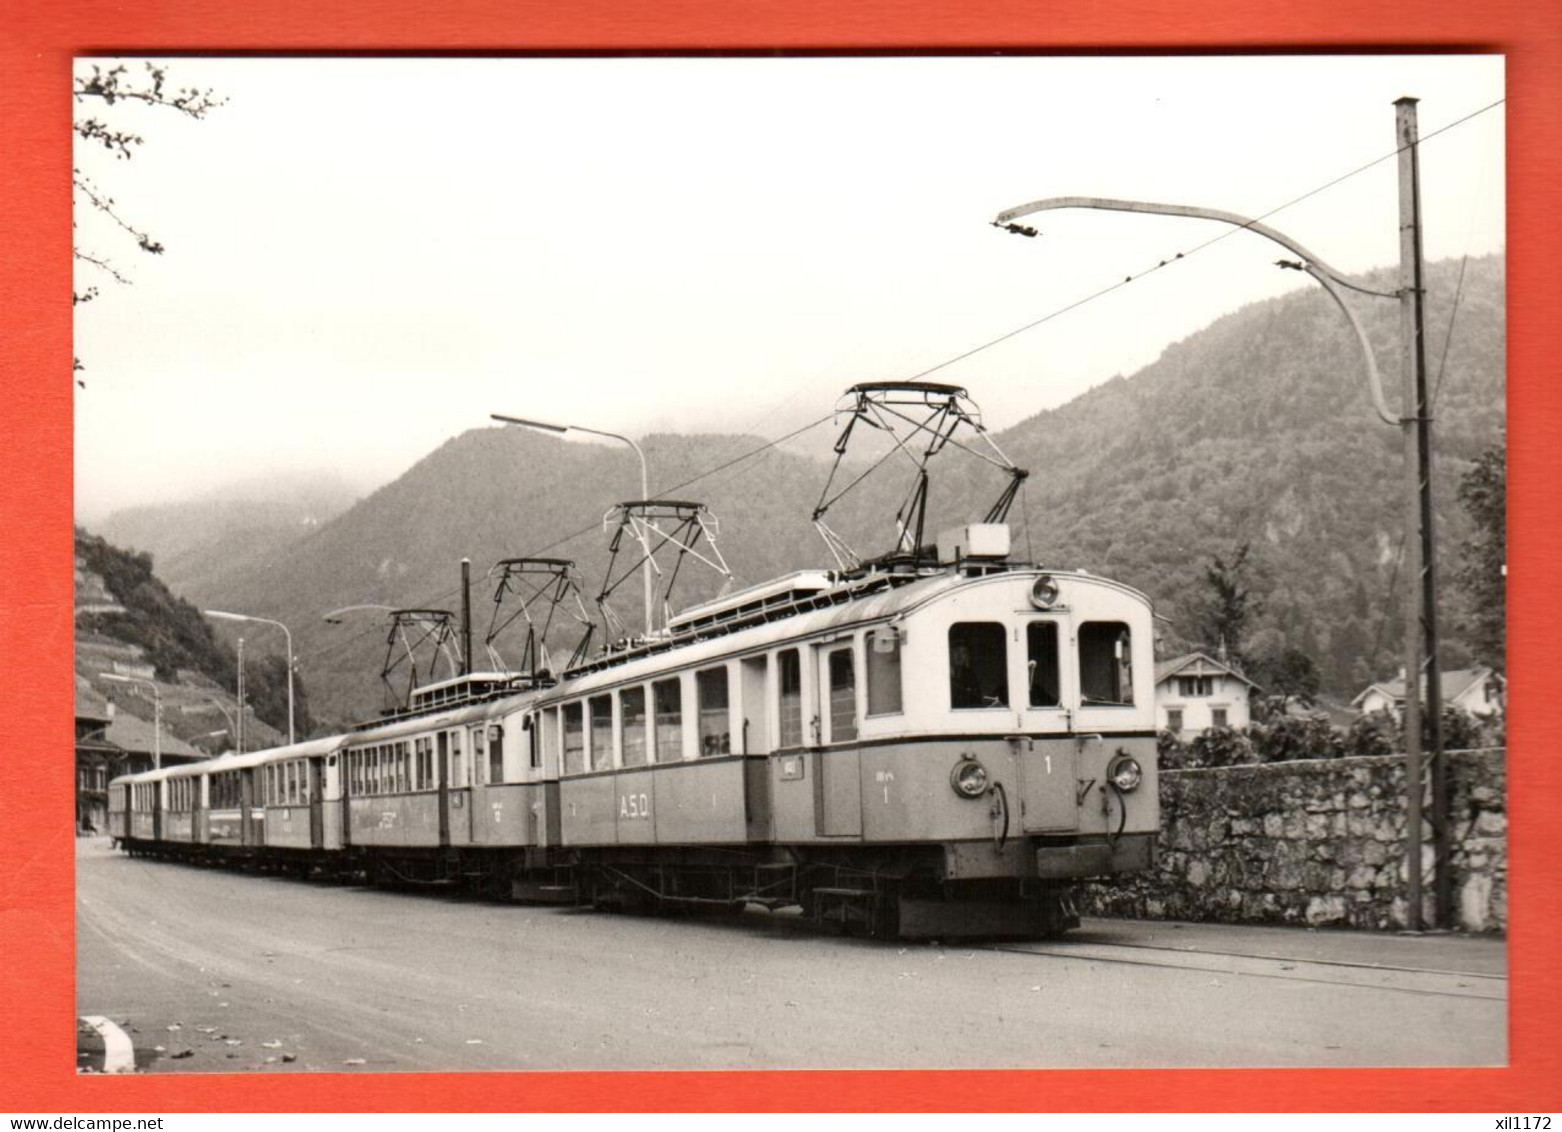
118 1054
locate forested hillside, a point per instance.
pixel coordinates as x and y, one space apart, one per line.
177 638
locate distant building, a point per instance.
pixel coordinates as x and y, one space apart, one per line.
1195 692
111 743
1477 690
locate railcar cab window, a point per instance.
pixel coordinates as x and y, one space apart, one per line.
789 674
978 665
884 696
574 740
1041 646
631 715
667 700
843 695
710 688
1106 675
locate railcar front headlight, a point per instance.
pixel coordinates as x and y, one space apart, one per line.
969 777
1044 592
1125 773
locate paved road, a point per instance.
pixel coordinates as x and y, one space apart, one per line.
228 971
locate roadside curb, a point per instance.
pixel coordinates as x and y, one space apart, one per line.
119 1056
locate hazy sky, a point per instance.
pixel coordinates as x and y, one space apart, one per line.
365 257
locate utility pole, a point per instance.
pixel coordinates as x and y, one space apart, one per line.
241 695
1422 666
466 617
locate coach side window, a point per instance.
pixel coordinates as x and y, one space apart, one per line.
789 678
574 739
843 696
667 700
883 671
631 715
601 732
978 665
496 751
710 687
1041 644
1106 674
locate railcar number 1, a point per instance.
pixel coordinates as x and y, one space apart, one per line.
634 806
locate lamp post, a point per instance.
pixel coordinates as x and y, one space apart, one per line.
1421 660
157 713
220 615
335 616
645 486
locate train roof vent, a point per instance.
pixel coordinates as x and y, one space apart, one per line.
754 599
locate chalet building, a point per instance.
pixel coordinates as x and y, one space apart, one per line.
1478 690
1195 693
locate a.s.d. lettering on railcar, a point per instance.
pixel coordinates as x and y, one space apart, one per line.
634 806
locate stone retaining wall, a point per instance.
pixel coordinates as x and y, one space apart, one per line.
1317 842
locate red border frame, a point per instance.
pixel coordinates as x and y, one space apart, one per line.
36 859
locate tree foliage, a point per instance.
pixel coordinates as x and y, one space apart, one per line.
1287 675
104 89
1483 492
1228 604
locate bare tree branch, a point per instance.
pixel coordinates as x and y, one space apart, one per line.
103 264
105 205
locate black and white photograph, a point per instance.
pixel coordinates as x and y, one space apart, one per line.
851 562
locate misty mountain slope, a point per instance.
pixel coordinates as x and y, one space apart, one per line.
195 539
1256 429
496 493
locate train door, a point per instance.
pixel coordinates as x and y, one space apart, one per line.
345 776
838 791
248 833
316 783
1047 767
158 789
442 772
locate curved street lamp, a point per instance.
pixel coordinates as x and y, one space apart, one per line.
1422 667
223 616
335 616
157 713
645 485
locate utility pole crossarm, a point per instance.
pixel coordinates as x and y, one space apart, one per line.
1312 264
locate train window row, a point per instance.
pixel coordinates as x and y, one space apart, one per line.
646 725
181 794
224 791
286 783
383 769
979 664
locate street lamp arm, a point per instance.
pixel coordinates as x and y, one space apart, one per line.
1312 264
335 616
1193 212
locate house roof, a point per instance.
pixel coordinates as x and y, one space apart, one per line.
1452 684
1196 664
136 735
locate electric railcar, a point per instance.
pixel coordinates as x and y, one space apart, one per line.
926 750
